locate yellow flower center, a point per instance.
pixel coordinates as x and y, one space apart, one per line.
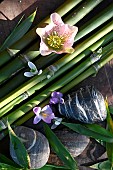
55 41
44 114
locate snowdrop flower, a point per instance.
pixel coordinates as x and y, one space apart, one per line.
56 37
45 114
33 70
56 97
57 121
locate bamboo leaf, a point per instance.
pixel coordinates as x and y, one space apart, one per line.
7 167
109 146
60 150
18 31
5 160
110 109
106 165
52 167
88 132
18 149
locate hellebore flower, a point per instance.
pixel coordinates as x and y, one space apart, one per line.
45 114
57 121
56 97
56 37
33 70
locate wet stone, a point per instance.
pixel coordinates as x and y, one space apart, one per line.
74 142
36 144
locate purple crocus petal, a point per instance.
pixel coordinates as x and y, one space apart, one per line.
47 109
54 100
56 19
56 94
48 118
37 110
36 119
61 100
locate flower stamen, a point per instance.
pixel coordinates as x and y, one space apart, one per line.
55 41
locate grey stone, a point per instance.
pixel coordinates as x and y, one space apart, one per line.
36 144
74 142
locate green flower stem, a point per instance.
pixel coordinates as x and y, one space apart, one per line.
64 84
31 35
79 69
80 48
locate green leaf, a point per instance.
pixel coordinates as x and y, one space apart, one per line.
85 131
109 146
110 109
5 160
19 149
105 165
52 167
59 148
18 32
8 167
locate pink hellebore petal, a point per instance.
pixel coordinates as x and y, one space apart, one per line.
56 37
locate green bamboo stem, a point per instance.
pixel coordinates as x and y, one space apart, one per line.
97 20
64 84
14 102
79 69
89 72
84 45
31 35
14 67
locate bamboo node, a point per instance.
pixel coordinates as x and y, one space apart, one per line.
25 95
52 69
96 56
11 52
24 58
97 68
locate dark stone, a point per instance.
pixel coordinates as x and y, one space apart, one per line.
36 144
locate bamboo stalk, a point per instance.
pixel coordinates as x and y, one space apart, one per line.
80 48
79 69
63 85
14 67
31 35
89 26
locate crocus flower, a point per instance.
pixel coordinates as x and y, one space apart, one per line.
56 37
45 114
57 121
56 97
33 70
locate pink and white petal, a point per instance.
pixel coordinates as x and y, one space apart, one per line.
37 119
47 109
37 110
44 50
28 74
56 19
40 31
31 65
